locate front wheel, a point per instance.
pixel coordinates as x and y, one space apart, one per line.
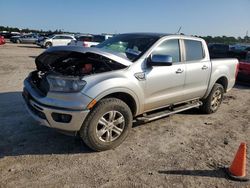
48 44
107 125
213 101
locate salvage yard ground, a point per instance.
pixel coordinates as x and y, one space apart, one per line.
183 150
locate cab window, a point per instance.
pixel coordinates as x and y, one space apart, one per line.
194 50
169 47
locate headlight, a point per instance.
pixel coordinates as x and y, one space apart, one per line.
65 84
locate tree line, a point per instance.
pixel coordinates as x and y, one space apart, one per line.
27 30
208 39
226 40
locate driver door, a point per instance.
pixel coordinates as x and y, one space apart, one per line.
164 84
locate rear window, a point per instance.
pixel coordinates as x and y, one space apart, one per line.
194 50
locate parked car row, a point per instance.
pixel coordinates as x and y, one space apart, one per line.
241 52
55 40
27 39
88 40
218 50
84 40
8 35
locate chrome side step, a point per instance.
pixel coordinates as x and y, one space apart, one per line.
164 113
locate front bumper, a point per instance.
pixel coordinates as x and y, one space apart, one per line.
43 114
51 110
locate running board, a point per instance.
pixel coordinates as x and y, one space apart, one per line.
168 112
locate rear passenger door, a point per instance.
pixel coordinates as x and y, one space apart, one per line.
198 69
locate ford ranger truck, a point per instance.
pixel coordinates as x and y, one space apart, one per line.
99 91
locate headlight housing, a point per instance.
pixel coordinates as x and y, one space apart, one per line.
65 84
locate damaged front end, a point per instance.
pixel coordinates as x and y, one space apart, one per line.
62 70
53 94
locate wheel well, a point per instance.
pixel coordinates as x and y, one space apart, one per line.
223 81
127 98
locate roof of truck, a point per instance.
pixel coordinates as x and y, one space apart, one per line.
160 35
148 34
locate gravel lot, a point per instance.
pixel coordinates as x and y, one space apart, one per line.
183 150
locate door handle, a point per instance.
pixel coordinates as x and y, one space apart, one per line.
204 67
179 71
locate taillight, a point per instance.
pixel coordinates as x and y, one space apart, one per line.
237 69
85 44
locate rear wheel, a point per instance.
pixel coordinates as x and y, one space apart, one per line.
107 125
213 101
18 41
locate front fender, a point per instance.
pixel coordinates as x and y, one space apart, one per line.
101 88
122 90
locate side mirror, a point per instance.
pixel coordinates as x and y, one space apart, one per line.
160 60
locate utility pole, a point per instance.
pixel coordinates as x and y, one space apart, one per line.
246 37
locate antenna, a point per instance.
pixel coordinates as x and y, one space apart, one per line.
178 30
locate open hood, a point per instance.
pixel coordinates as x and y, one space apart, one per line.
79 61
53 57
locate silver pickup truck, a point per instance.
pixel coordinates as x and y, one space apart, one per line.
98 92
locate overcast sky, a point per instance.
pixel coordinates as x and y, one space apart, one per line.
197 17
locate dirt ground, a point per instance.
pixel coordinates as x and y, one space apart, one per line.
184 150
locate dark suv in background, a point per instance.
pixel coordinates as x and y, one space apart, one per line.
218 50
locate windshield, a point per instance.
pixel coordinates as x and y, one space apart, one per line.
132 46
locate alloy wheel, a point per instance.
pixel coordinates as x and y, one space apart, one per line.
216 99
110 126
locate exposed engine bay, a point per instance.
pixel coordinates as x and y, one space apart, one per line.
75 63
69 64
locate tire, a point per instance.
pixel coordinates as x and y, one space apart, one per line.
18 41
214 99
100 120
48 44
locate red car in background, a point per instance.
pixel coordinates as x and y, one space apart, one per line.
2 40
244 70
